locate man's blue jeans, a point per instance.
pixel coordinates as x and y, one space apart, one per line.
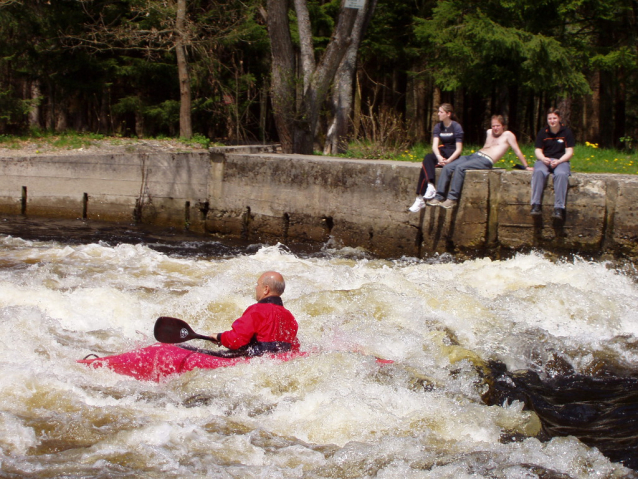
458 167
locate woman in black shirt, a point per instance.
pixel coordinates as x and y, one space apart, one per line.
447 145
554 148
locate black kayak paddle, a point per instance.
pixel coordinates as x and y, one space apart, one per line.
173 330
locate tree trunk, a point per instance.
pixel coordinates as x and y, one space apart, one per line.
185 126
620 109
297 128
283 72
103 120
459 104
342 96
436 101
50 110
357 107
61 119
606 108
318 88
336 140
592 109
565 107
139 123
306 46
34 112
263 111
513 111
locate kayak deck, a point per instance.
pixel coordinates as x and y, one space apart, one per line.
158 361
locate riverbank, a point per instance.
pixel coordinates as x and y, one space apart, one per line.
73 145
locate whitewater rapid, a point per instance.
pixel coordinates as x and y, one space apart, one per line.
337 413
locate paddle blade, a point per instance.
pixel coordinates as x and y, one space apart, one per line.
173 330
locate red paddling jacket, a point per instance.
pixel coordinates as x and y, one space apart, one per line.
264 327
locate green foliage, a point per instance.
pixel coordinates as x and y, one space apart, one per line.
10 142
72 141
623 57
480 44
68 140
322 17
389 41
128 104
629 142
12 109
197 141
165 114
588 158
93 57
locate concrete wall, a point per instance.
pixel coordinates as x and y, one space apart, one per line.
152 189
267 197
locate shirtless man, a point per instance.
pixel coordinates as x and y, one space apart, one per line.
496 145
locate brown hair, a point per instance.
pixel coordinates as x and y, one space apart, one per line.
556 112
500 119
449 109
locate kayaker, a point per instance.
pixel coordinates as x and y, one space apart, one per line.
265 327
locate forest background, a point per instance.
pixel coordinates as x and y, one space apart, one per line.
315 75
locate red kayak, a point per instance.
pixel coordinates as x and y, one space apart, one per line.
159 360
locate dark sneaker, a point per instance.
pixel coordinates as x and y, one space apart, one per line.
536 210
559 213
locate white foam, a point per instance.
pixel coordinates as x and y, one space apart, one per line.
438 321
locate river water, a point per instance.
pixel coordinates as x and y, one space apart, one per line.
499 366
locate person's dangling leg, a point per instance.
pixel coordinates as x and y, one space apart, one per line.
539 179
444 180
561 183
424 188
429 166
474 162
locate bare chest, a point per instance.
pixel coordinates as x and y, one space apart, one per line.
492 142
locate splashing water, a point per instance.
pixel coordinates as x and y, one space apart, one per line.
336 413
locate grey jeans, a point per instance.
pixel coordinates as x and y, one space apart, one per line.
561 182
475 161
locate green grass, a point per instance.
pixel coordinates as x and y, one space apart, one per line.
588 158
75 141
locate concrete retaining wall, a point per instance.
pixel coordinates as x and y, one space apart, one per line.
267 197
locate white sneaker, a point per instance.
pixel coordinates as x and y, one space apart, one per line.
418 205
430 192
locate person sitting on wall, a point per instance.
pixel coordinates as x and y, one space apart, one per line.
498 141
554 148
447 145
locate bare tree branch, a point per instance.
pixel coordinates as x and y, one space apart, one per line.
7 3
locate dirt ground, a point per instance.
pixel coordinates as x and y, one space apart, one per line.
34 148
